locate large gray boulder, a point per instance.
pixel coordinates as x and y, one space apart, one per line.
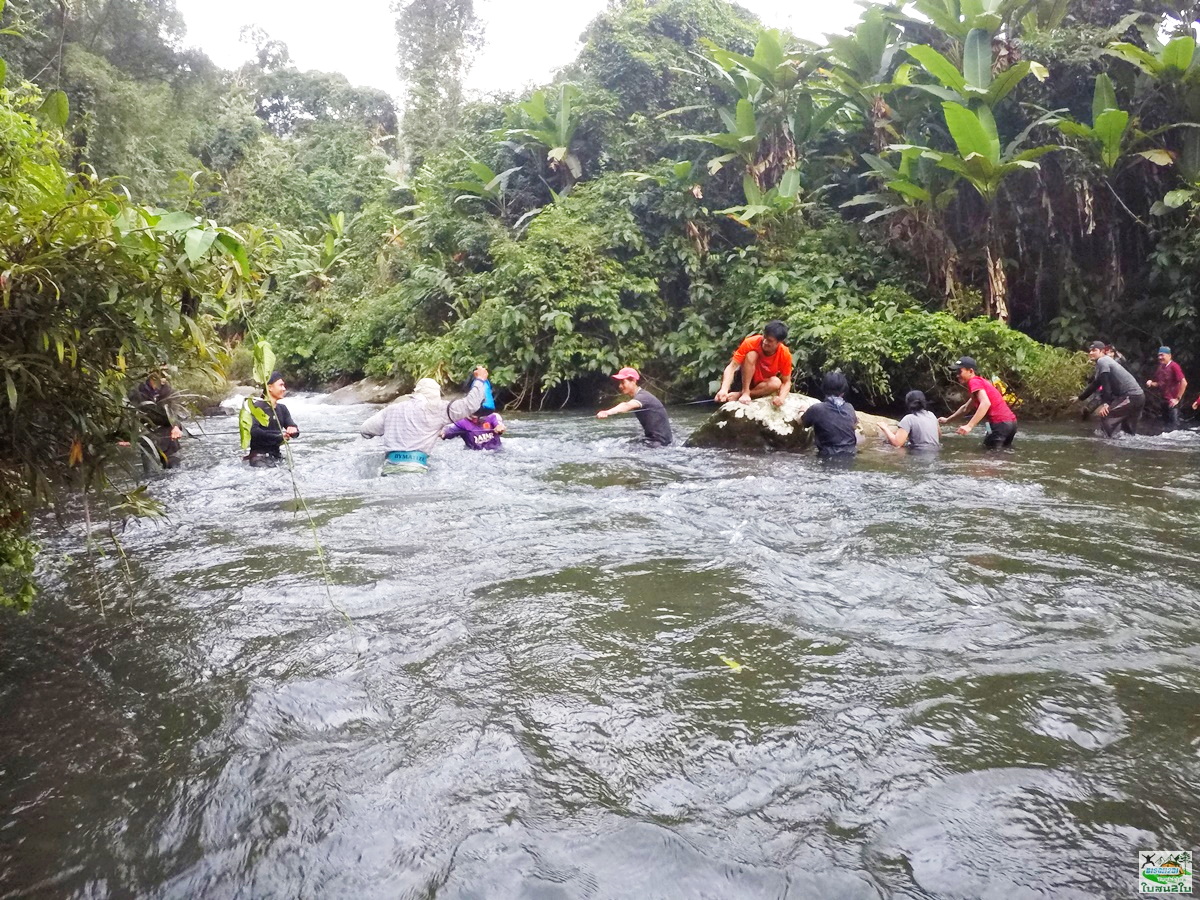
369 390
761 425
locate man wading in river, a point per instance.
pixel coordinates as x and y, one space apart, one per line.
413 425
1170 382
266 438
1123 396
648 409
989 403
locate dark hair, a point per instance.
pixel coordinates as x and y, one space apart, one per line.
914 401
483 412
834 384
776 329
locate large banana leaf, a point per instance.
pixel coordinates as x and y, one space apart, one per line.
970 135
938 66
1104 97
977 58
1109 129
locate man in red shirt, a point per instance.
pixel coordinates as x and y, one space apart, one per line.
1169 381
988 402
765 365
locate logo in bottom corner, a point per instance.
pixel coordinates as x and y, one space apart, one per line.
1164 872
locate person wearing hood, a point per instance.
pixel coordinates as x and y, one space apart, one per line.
833 421
412 425
266 438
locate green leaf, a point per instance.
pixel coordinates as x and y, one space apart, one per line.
12 390
1105 96
751 189
55 108
3 71
196 243
1173 200
908 189
264 361
236 249
977 58
1110 129
745 119
1134 54
969 135
944 94
682 170
1178 53
938 66
789 184
1075 129
175 222
1040 72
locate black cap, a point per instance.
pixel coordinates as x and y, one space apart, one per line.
275 376
1097 345
966 362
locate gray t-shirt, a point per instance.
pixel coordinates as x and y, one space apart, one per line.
1114 378
924 432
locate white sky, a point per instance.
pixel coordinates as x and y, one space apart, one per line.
525 40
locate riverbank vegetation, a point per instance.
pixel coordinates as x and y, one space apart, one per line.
1004 178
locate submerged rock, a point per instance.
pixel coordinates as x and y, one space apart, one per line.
761 425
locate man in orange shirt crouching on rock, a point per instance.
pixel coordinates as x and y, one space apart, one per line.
765 364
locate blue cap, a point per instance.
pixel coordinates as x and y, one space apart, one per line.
1166 350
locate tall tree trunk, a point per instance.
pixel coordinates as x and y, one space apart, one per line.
997 292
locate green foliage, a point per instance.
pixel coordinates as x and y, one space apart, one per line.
95 292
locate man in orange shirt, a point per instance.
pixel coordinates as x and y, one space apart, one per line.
765 364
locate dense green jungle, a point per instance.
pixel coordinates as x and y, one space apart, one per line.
1004 178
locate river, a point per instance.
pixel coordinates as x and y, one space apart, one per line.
583 669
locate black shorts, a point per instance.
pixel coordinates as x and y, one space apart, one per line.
1000 434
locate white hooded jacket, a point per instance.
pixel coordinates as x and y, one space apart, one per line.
415 422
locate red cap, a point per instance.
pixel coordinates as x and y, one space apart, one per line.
627 372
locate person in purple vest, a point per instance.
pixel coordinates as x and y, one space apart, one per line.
480 431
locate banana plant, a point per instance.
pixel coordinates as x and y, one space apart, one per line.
982 163
554 131
973 85
1174 61
860 65
488 186
957 18
768 204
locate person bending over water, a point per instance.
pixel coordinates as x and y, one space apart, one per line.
919 428
989 403
649 409
833 420
480 431
765 365
267 439
1123 396
413 424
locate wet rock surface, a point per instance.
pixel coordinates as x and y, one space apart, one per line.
760 425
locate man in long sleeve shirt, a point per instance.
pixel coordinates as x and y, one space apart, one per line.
411 426
1123 396
1169 381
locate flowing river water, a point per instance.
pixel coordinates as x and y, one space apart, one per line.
971 676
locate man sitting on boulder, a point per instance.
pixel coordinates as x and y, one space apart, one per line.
765 365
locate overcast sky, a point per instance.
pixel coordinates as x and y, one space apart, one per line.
525 40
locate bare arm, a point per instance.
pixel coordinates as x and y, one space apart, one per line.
897 437
727 381
984 405
954 415
627 406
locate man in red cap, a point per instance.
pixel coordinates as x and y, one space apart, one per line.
648 408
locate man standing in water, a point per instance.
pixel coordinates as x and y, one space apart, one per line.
153 400
765 365
649 409
266 439
1123 396
1169 381
988 402
412 425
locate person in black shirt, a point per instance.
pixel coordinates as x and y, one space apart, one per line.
265 440
648 409
153 401
833 420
